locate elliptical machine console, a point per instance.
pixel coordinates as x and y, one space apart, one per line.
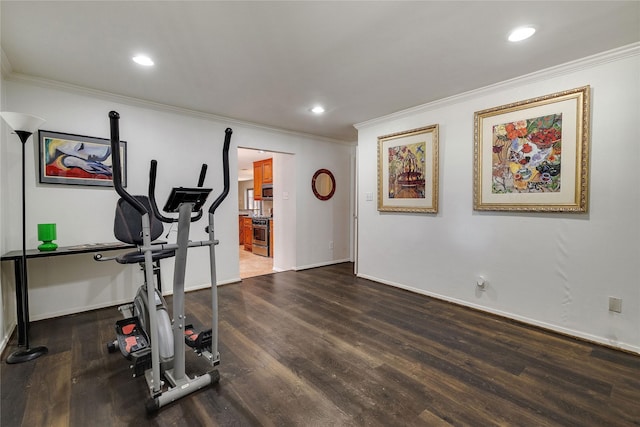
180 195
148 336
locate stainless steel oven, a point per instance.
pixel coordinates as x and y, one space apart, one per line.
260 243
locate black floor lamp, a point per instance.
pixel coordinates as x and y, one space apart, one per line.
24 125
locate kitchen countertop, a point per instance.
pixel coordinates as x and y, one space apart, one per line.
254 216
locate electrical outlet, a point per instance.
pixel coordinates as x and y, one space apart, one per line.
331 244
615 304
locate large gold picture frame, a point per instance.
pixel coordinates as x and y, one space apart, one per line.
533 155
408 171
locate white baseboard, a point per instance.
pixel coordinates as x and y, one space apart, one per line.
523 319
7 336
120 302
320 264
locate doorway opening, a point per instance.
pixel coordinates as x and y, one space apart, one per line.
255 212
274 210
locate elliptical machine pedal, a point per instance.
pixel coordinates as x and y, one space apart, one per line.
133 342
199 341
131 337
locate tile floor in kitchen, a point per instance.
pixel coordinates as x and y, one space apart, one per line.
254 265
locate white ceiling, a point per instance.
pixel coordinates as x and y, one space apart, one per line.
269 62
246 157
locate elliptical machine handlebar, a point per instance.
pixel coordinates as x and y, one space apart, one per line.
152 193
203 173
114 117
225 171
116 165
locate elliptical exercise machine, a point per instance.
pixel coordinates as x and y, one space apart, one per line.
146 336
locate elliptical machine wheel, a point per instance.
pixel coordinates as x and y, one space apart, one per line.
215 376
152 406
112 346
141 307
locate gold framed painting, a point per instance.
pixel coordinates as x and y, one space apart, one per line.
533 155
408 171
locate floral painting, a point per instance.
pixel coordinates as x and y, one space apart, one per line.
406 171
533 155
527 155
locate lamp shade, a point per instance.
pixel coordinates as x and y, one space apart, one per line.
22 122
47 232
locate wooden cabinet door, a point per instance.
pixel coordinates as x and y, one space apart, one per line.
241 229
257 180
267 171
248 234
271 247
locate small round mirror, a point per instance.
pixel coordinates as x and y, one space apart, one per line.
323 184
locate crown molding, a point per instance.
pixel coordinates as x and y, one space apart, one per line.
545 74
151 105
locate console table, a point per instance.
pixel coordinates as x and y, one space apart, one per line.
22 297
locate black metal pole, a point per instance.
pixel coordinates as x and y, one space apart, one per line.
25 298
28 353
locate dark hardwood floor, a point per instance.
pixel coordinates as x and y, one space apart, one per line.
323 348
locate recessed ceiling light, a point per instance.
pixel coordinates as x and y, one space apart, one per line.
317 109
143 60
521 33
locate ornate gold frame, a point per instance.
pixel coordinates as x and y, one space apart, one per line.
555 181
420 188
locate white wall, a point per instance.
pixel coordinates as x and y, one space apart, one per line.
336 229
7 292
180 141
285 209
551 270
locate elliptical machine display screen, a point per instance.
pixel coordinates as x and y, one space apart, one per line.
197 196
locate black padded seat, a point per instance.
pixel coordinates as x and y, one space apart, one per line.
127 227
138 257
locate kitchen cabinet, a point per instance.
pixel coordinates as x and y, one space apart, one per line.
271 247
262 174
267 171
257 180
241 229
248 233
